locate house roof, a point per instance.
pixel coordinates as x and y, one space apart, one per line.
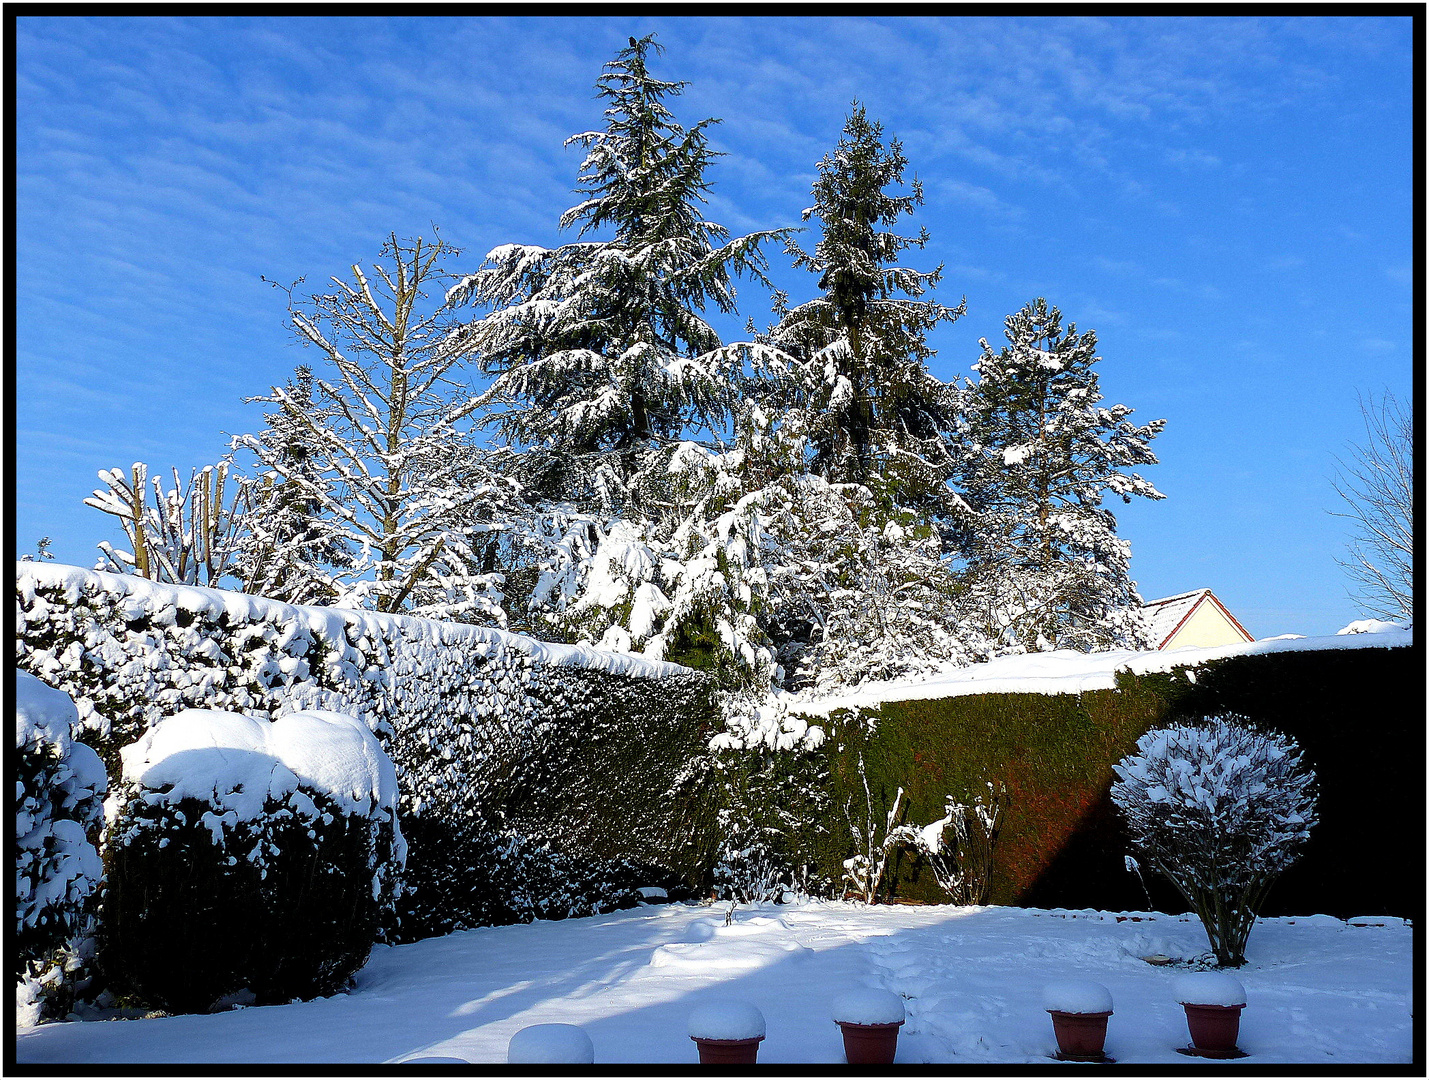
1169 614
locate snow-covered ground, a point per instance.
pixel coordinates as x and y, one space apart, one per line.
1319 990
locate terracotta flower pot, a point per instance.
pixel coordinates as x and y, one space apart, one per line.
1214 1028
728 1051
1080 1036
870 1044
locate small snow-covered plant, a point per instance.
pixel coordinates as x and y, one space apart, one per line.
1220 808
244 854
962 863
863 871
59 796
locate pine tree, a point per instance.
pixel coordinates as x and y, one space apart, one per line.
1045 568
598 348
290 550
858 524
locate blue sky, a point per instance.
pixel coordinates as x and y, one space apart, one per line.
1228 202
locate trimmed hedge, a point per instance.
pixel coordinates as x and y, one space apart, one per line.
491 733
1062 844
287 907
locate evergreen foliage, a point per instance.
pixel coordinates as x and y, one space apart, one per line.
598 347
1044 566
858 388
290 550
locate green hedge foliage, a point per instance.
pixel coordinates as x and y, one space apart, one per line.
286 907
1062 844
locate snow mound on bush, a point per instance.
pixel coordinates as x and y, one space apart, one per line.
1209 988
726 1020
1076 996
235 763
550 1044
868 1005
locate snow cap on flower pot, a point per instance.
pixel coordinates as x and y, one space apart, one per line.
868 1005
550 1044
727 1032
1209 988
869 1019
1081 996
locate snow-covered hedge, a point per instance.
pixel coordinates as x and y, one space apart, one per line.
248 854
59 792
492 734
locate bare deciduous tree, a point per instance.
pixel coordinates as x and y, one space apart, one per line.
1377 483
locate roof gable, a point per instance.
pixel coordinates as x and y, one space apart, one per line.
1170 613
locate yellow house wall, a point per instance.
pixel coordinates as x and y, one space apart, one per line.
1206 627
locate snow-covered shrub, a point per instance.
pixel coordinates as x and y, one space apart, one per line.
243 853
488 730
59 802
1220 808
961 862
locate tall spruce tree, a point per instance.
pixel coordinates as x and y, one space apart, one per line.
859 387
290 549
608 382
857 529
599 348
1045 568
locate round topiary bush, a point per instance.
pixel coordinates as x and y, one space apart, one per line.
243 854
59 803
1220 808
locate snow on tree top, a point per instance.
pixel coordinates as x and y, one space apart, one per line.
152 598
1069 672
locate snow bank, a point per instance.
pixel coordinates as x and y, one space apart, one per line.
1209 988
236 763
145 597
550 1044
726 1020
1076 996
1068 672
868 1005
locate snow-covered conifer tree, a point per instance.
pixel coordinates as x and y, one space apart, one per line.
870 409
858 585
599 348
386 459
290 549
1045 568
604 368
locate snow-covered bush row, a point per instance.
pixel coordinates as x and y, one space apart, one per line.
59 793
490 732
243 854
